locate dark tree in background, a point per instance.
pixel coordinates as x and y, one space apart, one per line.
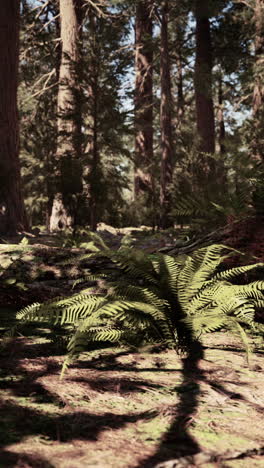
203 90
258 92
12 214
165 120
68 156
143 98
92 150
105 63
220 115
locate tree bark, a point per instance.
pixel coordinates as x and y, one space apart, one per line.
92 153
221 169
95 156
220 117
258 92
203 91
93 150
143 99
12 212
69 145
179 39
165 121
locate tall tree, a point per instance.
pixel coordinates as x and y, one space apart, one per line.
203 88
165 119
39 76
105 120
220 115
258 92
143 98
178 48
91 169
12 213
68 154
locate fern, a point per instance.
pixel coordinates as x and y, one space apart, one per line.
165 299
204 211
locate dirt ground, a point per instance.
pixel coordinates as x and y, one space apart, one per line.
121 409
118 409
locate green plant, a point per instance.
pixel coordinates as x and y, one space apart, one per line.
204 213
11 258
161 298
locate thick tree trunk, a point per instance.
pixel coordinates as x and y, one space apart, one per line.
258 92
94 151
12 213
165 121
203 92
143 99
91 166
68 155
91 171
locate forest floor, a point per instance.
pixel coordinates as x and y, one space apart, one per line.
117 408
122 409
40 263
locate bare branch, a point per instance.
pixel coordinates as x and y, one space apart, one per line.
42 8
98 7
42 91
48 22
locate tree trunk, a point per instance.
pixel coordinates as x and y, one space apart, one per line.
220 117
143 99
69 146
95 158
165 121
49 157
221 172
12 212
92 162
179 72
258 92
203 92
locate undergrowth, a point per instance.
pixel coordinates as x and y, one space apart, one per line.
139 298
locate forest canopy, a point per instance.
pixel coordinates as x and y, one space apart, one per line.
130 113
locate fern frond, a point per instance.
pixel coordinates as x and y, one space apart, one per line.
27 312
254 289
137 265
169 271
189 206
259 303
207 322
97 240
131 292
90 279
233 272
244 338
204 298
68 310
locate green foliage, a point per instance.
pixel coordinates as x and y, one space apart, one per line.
107 72
157 297
240 195
12 257
258 196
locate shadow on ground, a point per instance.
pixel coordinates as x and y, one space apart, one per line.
19 420
178 442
